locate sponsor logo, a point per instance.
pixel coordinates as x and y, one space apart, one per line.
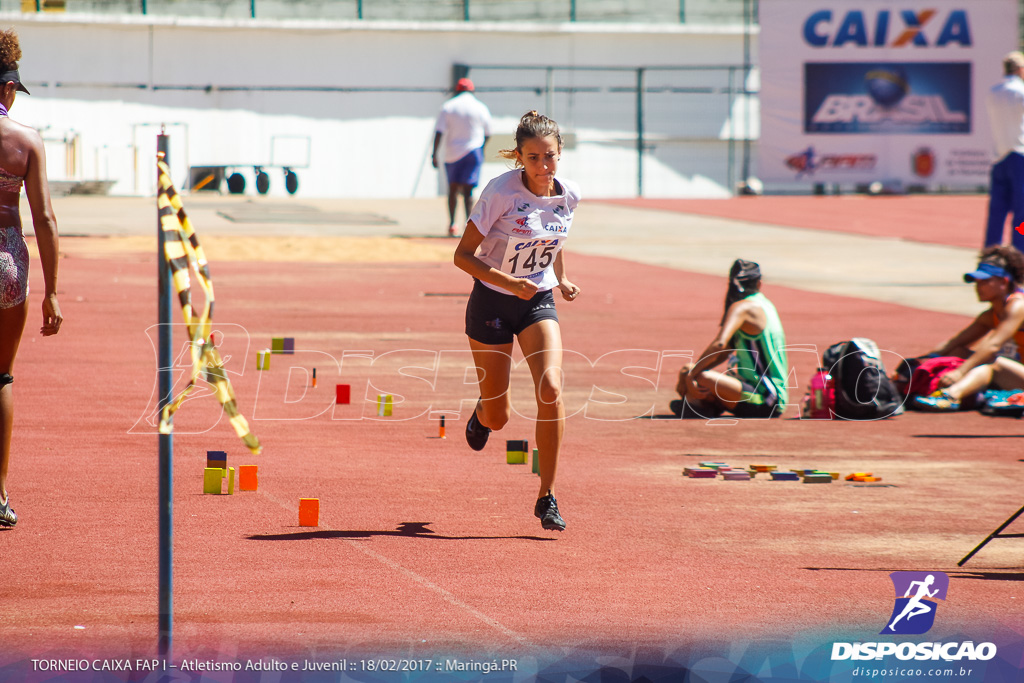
497 323
947 652
914 612
805 163
922 162
529 244
556 227
521 222
522 231
523 208
895 98
559 210
888 28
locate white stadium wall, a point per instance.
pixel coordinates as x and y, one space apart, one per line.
350 105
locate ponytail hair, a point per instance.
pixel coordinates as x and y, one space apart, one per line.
532 125
744 279
10 50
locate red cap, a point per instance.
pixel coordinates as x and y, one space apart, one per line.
463 84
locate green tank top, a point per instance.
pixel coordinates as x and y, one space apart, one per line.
760 360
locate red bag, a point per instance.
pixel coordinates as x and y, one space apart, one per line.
925 379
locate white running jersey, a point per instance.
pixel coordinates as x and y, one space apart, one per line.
465 121
523 233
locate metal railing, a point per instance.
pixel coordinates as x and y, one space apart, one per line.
697 121
647 11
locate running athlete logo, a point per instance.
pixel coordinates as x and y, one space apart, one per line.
914 612
521 222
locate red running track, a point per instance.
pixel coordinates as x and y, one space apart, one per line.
954 220
425 546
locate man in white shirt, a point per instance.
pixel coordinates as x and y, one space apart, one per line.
1006 192
465 124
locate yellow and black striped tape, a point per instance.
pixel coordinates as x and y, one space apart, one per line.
184 255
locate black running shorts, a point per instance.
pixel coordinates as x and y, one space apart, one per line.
495 318
758 405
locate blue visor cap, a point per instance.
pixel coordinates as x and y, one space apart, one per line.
985 271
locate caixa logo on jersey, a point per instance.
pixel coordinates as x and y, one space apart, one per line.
888 28
887 97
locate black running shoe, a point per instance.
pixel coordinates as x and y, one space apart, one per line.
7 516
702 411
547 510
476 433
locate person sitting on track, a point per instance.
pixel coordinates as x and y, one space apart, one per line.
997 281
751 337
22 160
512 247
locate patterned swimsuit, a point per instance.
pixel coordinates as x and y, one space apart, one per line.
13 253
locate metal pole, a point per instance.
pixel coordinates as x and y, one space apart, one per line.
143 5
747 16
682 11
572 10
252 8
465 10
166 488
729 111
640 132
549 93
359 9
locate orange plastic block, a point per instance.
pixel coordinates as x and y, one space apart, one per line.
853 477
868 479
309 512
247 478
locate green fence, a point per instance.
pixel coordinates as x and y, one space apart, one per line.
700 122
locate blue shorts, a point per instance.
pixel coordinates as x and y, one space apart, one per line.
466 171
495 318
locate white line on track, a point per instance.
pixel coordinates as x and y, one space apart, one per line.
423 581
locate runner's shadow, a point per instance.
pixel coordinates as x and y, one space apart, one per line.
953 573
969 436
404 530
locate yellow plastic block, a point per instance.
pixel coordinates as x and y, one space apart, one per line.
263 360
515 457
277 345
231 480
384 405
212 477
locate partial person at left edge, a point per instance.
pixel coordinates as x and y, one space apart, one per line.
22 162
465 125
